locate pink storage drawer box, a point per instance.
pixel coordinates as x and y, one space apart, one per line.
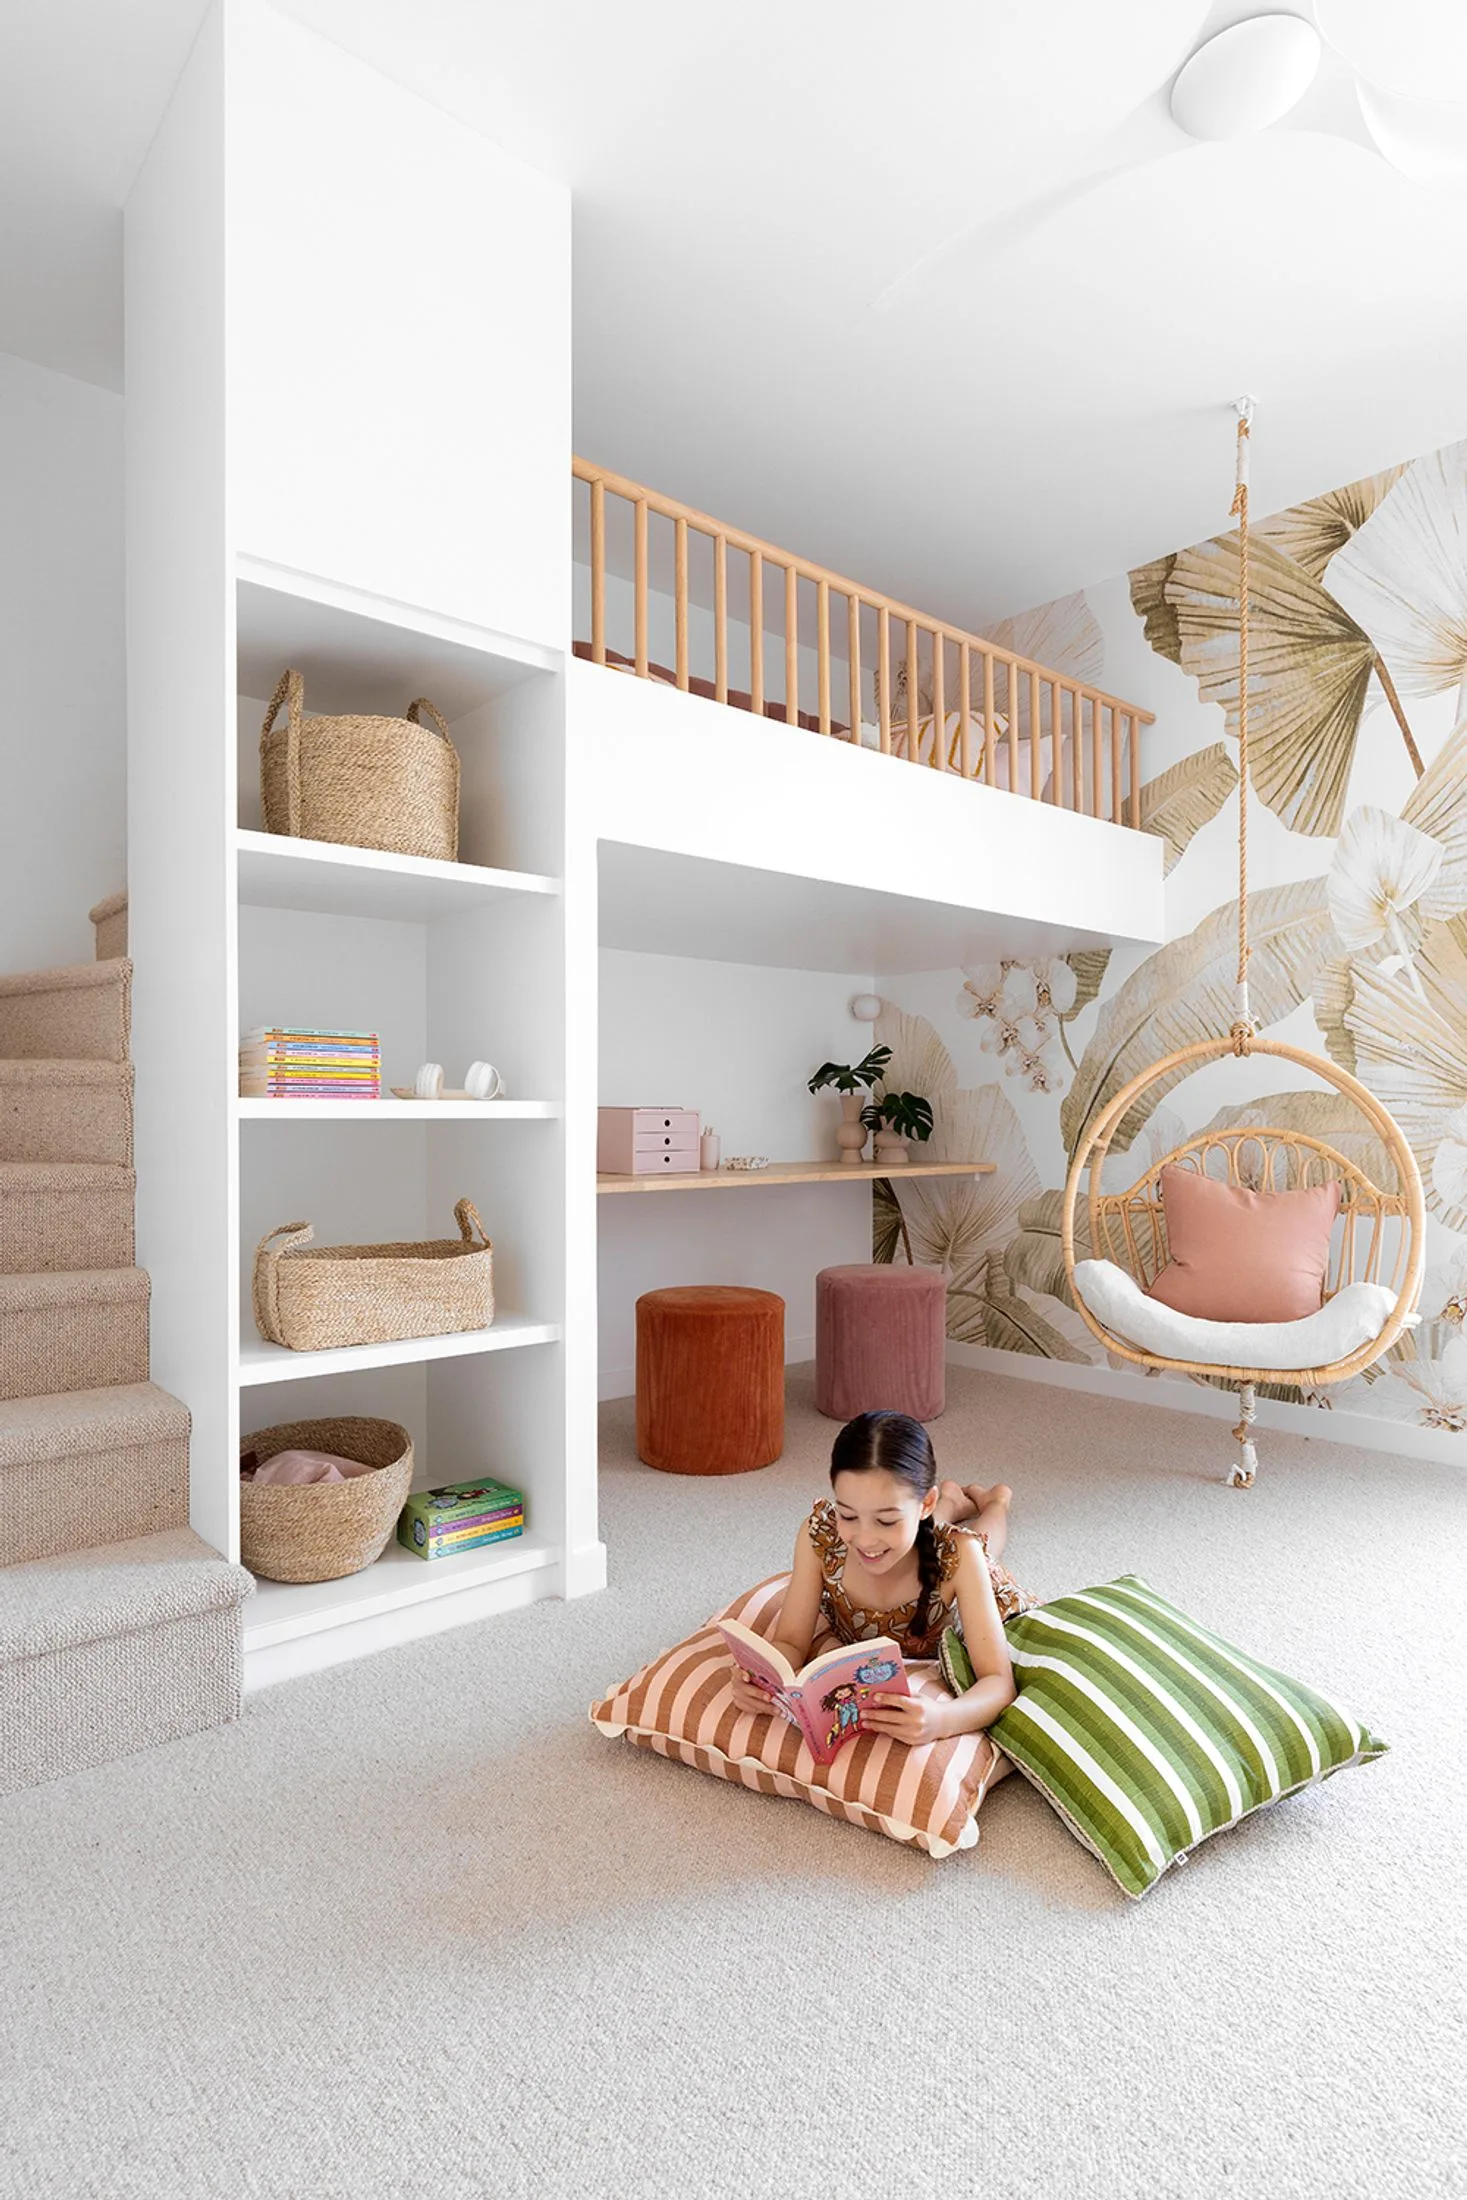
647 1141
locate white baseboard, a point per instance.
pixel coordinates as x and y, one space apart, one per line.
265 1665
621 1382
1325 1425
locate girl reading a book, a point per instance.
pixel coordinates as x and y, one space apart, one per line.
895 1551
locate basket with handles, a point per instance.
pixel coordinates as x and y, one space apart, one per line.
389 783
314 1298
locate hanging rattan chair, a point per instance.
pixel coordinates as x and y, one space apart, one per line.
1379 1233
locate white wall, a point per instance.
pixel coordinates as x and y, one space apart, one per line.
737 1043
399 296
63 825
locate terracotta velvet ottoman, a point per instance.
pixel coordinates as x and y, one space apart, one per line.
710 1379
880 1341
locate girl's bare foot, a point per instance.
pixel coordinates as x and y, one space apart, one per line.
997 1494
991 1514
954 1503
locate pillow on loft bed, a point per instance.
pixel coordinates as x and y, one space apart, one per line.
1332 1332
1242 1256
681 1706
1148 1733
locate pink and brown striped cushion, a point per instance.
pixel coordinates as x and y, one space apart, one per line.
680 1706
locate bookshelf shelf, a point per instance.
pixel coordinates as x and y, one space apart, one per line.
276 872
260 1362
280 1611
397 1111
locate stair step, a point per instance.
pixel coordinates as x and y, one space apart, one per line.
84 1330
76 1014
58 1110
83 1467
65 1214
110 919
112 1650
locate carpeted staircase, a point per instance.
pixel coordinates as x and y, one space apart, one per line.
118 1626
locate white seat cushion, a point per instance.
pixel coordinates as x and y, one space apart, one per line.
1350 1319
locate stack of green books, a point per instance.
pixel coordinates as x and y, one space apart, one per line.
463 1516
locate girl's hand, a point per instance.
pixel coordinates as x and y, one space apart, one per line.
909 1719
745 1695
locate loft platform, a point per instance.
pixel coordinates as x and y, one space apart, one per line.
775 635
780 719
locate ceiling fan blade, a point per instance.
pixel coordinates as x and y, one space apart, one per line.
1141 138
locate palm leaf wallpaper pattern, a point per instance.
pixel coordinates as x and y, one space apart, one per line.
1358 915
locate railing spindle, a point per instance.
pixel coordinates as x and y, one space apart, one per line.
939 700
1013 695
720 618
598 572
965 709
1115 766
988 711
1135 739
791 646
1056 743
883 675
641 587
1097 737
822 646
680 601
914 720
1077 773
853 653
756 632
1036 738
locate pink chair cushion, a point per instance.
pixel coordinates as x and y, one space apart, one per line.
1239 1256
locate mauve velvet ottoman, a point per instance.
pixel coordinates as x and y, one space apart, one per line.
880 1341
710 1379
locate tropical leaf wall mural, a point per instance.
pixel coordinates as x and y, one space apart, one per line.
1358 717
1183 799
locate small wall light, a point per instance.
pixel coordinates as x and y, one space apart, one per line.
866 1007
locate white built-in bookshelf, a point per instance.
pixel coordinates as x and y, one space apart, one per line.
385 509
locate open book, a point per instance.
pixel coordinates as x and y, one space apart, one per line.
824 1699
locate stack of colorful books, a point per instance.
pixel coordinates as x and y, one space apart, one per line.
461 1517
296 1062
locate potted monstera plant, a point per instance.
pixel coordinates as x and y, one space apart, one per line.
850 1080
895 1118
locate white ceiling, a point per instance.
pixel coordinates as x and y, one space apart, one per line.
773 319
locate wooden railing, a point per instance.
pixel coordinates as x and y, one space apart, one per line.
938 696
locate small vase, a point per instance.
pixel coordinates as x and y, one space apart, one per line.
851 1133
891 1151
710 1148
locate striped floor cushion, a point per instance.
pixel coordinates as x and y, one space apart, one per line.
680 1706
1148 1733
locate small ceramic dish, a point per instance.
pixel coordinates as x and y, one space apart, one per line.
747 1162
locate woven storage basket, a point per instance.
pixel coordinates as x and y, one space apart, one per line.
312 1300
369 782
318 1531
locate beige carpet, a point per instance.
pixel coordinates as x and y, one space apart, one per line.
413 1929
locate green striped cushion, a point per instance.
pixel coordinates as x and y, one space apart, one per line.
1148 1733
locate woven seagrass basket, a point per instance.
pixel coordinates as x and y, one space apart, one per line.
369 782
318 1531
313 1298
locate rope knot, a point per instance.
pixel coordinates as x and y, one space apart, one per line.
1242 1035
